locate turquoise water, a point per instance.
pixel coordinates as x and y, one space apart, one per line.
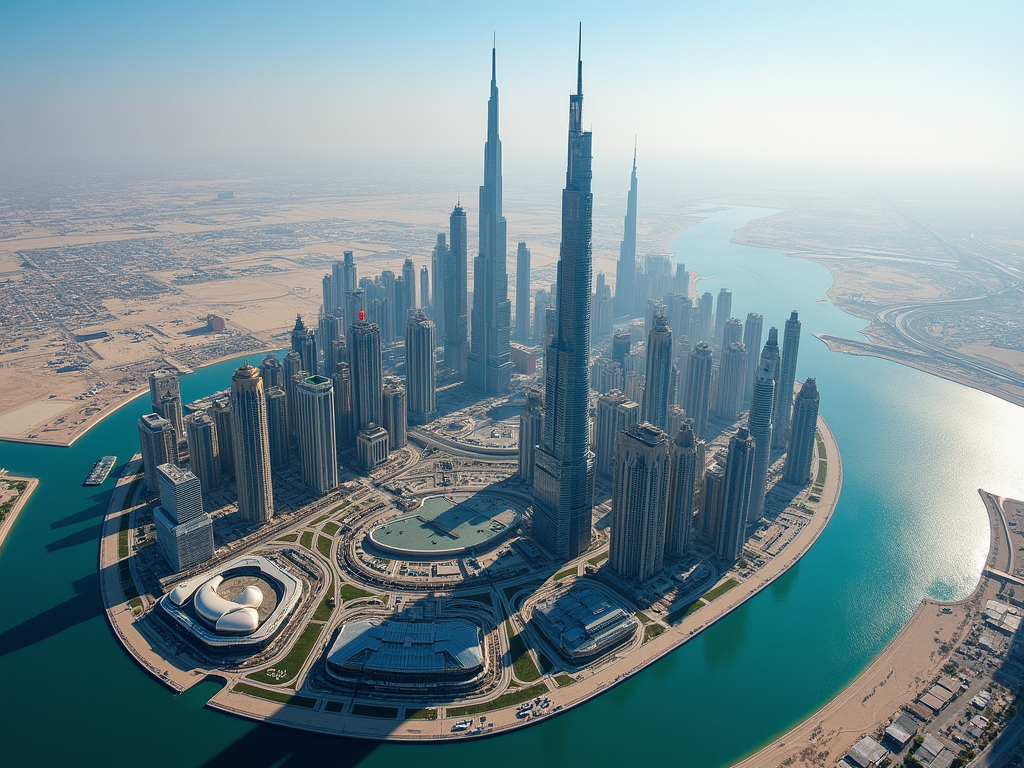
909 524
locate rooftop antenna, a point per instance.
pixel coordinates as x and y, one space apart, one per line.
579 65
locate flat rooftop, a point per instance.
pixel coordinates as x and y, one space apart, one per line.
447 526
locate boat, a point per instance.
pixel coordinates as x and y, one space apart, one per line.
100 470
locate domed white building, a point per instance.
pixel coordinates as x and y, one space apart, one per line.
208 613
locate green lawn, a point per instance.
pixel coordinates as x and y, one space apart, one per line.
290 665
681 613
350 592
279 696
330 529
324 611
509 699
368 710
421 714
651 631
306 540
289 537
564 680
522 662
324 545
720 590
644 618
598 559
567 572
822 471
320 520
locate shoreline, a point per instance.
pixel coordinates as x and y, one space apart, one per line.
181 672
8 522
115 407
911 358
833 725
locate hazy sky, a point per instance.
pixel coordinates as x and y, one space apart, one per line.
904 86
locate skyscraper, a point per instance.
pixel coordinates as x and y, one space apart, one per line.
530 425
677 310
752 332
736 502
354 302
252 446
541 303
639 503
625 270
490 364
203 451
277 426
395 417
622 343
438 266
409 295
318 448
706 331
424 287
801 442
733 331
697 400
367 374
304 343
601 326
564 472
329 292
732 377
221 411
659 373
272 373
349 281
787 377
759 422
164 385
170 407
159 444
523 334
456 317
712 496
722 313
330 331
615 413
293 372
682 487
420 368
344 417
184 532
674 422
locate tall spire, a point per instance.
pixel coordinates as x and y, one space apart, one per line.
579 65
634 154
494 67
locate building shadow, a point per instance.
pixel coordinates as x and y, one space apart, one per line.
85 605
95 511
274 746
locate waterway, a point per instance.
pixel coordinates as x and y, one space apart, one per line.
909 525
